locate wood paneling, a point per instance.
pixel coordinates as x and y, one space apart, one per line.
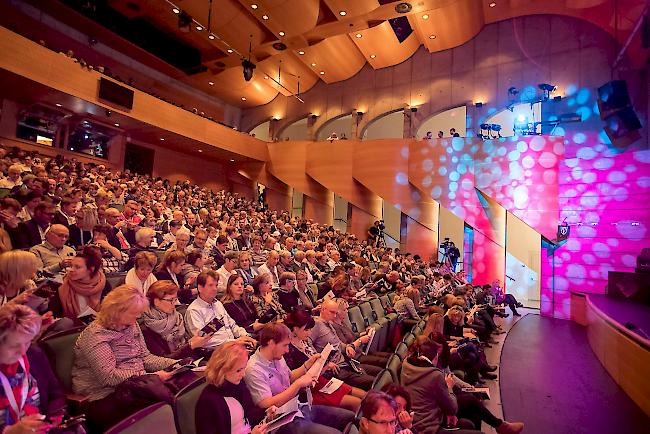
337 56
625 355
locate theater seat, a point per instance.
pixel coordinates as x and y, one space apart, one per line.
408 339
382 379
391 297
394 366
356 319
185 405
156 419
379 324
116 279
401 350
351 429
59 348
391 318
314 289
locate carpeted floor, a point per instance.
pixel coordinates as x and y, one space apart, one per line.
551 380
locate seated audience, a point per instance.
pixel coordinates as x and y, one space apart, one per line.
301 348
32 232
83 286
272 383
113 259
9 209
404 414
141 275
227 270
270 267
17 269
207 310
109 355
238 305
143 239
226 404
163 326
378 414
244 268
287 294
266 301
170 268
54 255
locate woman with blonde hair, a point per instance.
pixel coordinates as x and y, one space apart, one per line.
110 351
226 405
141 276
17 268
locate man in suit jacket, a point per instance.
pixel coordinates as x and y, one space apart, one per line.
32 232
66 216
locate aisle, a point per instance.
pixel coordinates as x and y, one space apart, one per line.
551 380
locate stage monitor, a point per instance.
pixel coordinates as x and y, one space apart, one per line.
612 96
114 93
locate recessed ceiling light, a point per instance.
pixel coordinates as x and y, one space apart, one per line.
176 11
301 52
232 161
313 64
432 36
265 17
372 56
57 104
425 17
229 50
281 33
342 13
253 6
199 28
211 36
116 124
243 98
358 35
493 4
322 73
266 77
162 139
211 83
200 150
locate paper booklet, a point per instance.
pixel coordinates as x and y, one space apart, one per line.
360 294
329 296
481 392
371 333
88 311
331 386
317 368
284 415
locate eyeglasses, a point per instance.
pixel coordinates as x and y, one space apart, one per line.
388 423
171 300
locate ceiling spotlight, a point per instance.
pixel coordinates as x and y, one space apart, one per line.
313 64
243 98
372 56
200 150
425 17
358 35
211 83
229 50
281 33
342 13
211 36
199 28
265 17
266 77
116 124
232 161
184 22
176 11
301 52
162 139
322 73
403 8
432 36
493 4
248 69
57 104
253 6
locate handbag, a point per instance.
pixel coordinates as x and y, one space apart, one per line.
147 388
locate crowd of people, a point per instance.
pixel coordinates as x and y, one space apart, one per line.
154 274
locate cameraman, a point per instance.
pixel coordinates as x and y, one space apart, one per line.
453 254
373 234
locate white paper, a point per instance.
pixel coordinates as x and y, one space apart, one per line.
88 311
317 368
331 386
360 294
485 390
371 333
285 414
329 296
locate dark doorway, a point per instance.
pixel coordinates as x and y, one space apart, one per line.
138 159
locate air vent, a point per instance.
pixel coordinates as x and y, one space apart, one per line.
280 46
403 8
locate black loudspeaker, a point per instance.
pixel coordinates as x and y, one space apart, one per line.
612 96
622 127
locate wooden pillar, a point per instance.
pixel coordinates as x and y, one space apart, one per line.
311 130
355 132
273 129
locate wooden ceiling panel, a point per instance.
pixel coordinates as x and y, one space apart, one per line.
337 57
450 26
381 42
231 87
291 71
351 8
293 17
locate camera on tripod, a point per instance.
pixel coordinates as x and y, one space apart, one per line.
381 226
445 244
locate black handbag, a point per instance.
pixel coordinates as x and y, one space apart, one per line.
145 388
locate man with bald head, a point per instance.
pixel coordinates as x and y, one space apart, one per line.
54 255
270 266
115 219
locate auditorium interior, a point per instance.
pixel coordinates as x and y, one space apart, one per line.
324 216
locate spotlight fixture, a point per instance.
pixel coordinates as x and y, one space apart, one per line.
513 90
403 8
58 105
232 161
432 36
162 139
116 124
176 10
342 13
211 36
200 150
248 67
301 52
478 104
108 113
322 73
547 89
266 77
358 35
184 22
281 33
229 50
414 109
199 28
253 6
313 64
265 17
425 17
359 113
372 56
243 98
557 98
211 83
493 4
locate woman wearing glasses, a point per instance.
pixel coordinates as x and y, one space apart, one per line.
163 326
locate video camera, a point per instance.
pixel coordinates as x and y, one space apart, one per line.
381 226
445 244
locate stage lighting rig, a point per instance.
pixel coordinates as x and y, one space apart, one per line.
547 89
246 64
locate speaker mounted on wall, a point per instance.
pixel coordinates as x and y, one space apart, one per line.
622 125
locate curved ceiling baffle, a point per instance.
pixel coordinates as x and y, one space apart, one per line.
319 201
331 164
